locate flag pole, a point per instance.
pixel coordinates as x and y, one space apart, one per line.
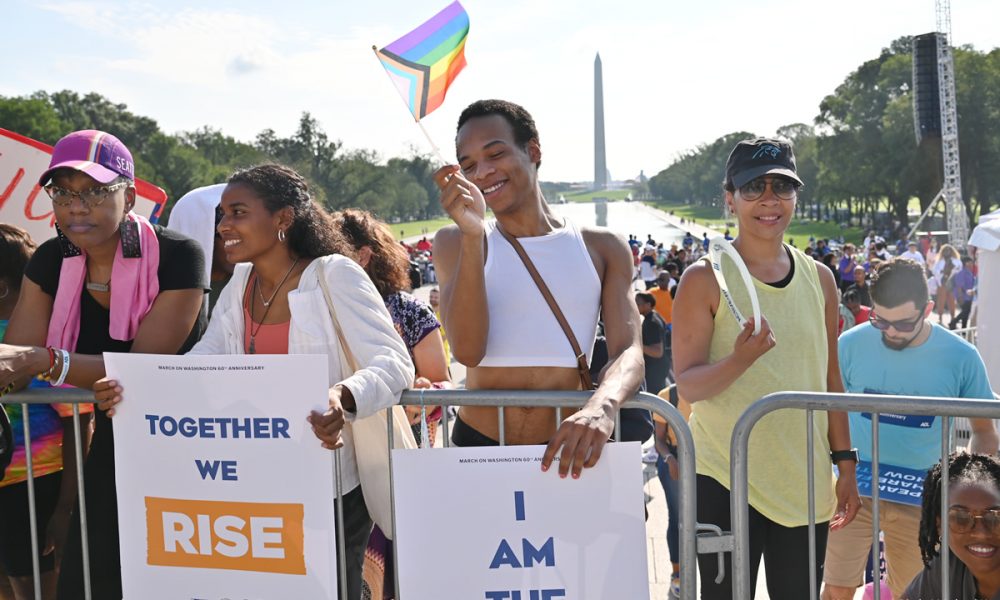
437 151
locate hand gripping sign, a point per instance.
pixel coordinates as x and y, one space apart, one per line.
718 248
23 202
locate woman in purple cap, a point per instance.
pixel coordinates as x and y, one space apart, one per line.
109 282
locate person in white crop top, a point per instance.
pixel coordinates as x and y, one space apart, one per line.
499 154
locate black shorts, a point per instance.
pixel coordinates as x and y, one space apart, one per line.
15 524
464 436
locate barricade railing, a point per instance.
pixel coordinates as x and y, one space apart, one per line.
76 397
571 400
558 400
966 333
876 405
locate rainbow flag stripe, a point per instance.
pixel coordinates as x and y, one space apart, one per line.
423 63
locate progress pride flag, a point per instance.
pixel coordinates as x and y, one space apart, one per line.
24 203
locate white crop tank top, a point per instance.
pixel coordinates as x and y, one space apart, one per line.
523 331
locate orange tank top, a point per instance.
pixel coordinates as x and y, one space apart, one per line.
267 339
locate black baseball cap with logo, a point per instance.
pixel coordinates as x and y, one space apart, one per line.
751 159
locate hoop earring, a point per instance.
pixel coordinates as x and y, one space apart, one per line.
6 292
281 235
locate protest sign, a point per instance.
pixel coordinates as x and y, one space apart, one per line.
23 202
895 484
223 489
511 532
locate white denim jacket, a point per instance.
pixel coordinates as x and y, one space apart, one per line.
386 367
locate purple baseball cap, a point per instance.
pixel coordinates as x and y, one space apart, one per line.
96 153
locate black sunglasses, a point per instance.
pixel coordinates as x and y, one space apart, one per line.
781 187
903 326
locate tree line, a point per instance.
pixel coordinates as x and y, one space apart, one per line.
860 157
398 189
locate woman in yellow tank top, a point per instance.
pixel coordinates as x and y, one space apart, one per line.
722 368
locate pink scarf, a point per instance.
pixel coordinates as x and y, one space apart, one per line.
134 287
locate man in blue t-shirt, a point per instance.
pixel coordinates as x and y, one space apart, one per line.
900 352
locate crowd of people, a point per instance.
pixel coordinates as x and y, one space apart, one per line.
256 266
951 276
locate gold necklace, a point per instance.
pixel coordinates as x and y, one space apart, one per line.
267 305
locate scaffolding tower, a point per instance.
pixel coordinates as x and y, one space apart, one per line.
951 191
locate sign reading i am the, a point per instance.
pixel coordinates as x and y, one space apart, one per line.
516 533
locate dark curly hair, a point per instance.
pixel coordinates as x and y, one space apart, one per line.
389 267
520 119
897 281
312 233
16 247
962 468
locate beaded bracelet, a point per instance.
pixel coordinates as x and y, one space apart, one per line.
47 375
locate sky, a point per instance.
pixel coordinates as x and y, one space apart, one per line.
676 74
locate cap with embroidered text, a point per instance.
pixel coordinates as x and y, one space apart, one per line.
96 153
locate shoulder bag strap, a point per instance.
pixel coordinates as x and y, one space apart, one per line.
581 357
352 363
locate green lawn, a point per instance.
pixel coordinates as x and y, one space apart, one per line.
589 196
412 228
798 231
427 227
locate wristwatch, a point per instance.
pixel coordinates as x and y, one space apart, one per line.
838 455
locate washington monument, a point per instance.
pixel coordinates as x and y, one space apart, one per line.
600 160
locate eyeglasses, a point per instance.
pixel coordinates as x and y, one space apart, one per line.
780 186
90 198
963 521
902 326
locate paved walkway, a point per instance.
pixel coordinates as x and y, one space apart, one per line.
696 230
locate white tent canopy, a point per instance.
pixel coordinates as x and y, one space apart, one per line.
986 238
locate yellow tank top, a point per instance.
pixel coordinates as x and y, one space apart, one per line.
797 362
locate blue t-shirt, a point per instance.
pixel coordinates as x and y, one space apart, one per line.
945 366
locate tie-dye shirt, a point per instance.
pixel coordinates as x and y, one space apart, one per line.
46 435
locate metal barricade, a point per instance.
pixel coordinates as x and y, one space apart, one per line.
968 334
810 402
574 399
76 397
444 398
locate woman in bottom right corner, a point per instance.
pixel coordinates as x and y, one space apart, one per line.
973 531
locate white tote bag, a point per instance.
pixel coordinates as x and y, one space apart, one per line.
371 447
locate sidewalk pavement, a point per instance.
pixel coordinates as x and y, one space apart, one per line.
694 229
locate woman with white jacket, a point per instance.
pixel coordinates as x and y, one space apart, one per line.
274 304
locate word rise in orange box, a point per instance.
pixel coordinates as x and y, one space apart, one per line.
241 536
